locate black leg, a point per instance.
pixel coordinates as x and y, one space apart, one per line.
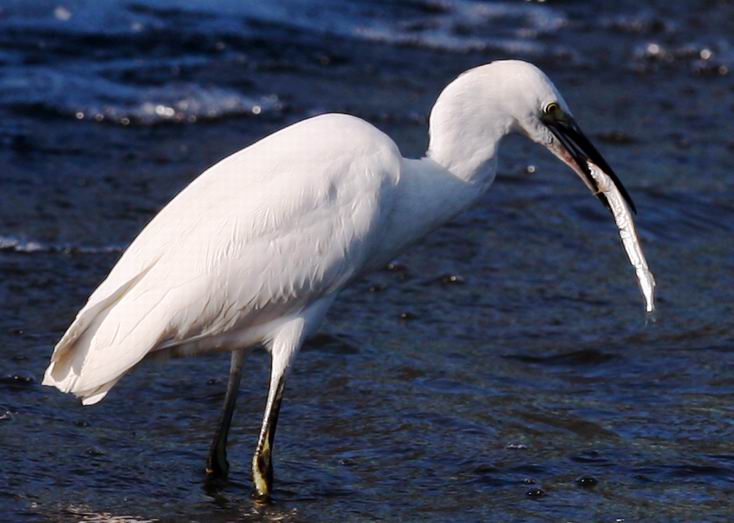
216 465
262 462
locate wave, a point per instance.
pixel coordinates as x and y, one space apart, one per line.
141 63
701 59
467 26
26 246
101 100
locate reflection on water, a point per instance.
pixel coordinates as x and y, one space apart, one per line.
499 370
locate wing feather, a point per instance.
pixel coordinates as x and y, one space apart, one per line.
257 237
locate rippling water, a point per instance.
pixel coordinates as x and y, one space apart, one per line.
502 370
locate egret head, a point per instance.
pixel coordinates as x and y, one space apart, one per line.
493 100
547 120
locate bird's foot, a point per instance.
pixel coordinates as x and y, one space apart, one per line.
262 476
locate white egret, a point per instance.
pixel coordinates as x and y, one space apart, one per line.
254 251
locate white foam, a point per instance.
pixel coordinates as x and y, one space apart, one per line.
22 245
177 103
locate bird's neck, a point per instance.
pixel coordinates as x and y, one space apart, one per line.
458 168
464 139
428 195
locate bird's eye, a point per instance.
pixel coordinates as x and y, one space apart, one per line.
552 108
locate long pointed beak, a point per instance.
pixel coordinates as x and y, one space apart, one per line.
576 151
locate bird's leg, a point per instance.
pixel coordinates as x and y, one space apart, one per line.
216 464
283 350
262 461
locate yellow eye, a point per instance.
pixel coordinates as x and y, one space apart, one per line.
552 108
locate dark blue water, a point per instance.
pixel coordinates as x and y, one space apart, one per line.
426 397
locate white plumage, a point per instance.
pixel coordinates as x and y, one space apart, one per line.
259 237
256 248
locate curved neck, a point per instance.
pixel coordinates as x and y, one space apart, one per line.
464 135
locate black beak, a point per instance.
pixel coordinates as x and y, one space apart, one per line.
581 150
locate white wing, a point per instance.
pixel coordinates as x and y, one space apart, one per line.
262 234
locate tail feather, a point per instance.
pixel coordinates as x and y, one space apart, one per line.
98 394
95 307
107 339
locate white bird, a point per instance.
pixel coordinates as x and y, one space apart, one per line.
255 250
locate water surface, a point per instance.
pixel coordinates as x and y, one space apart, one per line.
426 397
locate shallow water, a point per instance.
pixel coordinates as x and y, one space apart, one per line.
426 397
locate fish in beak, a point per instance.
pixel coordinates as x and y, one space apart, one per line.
577 152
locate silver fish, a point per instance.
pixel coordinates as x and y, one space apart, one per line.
628 233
